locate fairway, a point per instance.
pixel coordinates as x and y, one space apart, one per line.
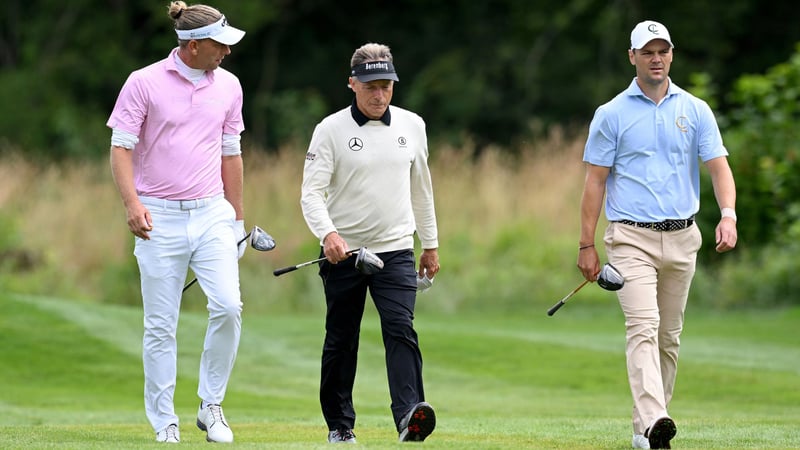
73 379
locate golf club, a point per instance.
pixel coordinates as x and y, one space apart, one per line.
609 279
259 240
366 263
561 302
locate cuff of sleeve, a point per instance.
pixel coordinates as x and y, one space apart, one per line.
430 244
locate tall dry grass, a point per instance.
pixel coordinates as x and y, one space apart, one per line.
70 215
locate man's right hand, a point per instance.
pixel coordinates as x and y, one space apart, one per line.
589 263
335 248
139 221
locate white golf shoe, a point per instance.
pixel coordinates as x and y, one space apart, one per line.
211 420
639 441
342 435
169 434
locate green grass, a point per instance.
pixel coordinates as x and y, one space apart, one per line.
72 378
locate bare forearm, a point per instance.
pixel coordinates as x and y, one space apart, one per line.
722 182
592 202
140 222
122 171
233 182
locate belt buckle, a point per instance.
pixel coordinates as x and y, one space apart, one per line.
189 204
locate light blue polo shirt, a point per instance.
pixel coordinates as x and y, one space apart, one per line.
654 152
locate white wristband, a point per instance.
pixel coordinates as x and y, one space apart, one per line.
729 212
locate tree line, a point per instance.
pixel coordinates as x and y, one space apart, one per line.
496 72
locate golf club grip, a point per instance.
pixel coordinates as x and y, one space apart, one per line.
555 308
237 245
189 285
279 272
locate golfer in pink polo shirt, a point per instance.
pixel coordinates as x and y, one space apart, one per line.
176 161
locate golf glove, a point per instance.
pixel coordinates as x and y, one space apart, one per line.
240 234
424 283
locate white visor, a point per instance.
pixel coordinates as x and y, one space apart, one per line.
219 31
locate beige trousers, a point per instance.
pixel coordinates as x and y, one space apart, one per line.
658 268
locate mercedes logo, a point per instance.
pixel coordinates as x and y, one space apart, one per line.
355 144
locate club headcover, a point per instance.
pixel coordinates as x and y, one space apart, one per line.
610 279
368 262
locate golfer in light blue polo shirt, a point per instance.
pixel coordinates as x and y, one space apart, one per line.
643 157
655 151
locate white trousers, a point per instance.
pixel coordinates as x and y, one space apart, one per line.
200 235
658 267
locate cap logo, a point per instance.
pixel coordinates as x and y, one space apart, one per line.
374 70
646 31
203 32
377 66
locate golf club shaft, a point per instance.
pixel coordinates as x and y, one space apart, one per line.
283 270
561 302
189 284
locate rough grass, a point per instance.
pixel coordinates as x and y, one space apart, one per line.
494 210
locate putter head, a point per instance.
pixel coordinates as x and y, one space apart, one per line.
368 262
261 240
610 279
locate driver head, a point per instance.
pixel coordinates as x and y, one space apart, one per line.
368 262
610 279
261 240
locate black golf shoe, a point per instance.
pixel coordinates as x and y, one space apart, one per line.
418 423
661 432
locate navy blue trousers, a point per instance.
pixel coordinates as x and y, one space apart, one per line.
393 290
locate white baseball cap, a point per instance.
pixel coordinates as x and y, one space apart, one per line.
219 31
646 31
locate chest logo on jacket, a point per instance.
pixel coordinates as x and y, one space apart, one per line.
355 144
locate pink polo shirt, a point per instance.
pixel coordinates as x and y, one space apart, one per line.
180 127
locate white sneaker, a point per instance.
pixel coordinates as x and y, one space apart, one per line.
639 441
169 434
211 420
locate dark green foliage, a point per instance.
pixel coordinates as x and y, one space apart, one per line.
497 73
761 134
765 144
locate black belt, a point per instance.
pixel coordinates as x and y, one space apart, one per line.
666 225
